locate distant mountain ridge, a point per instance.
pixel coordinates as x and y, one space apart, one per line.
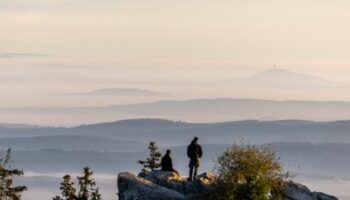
283 78
71 143
194 110
169 133
119 92
10 125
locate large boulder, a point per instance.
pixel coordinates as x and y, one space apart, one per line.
161 185
132 187
296 191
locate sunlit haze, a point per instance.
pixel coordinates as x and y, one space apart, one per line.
182 48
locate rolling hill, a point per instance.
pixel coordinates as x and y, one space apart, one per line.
71 143
195 110
178 133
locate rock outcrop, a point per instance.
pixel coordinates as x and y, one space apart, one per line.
160 185
296 191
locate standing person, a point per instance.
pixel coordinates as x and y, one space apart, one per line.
194 152
167 163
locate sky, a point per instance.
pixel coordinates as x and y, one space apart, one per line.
61 46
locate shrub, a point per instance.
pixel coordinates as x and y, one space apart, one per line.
246 172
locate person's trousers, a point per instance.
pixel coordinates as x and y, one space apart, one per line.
193 168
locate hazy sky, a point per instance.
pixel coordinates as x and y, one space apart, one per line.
300 30
57 46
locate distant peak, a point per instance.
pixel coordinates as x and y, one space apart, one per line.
120 92
276 70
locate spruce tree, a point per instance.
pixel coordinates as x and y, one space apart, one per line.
67 188
153 161
87 184
95 195
7 190
87 188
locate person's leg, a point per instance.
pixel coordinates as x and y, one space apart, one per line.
176 172
195 172
191 173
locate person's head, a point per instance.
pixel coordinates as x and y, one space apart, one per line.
168 152
195 140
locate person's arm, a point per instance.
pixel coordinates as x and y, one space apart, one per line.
175 171
200 151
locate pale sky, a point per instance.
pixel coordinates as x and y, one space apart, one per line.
56 46
299 30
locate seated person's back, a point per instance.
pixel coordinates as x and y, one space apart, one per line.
167 162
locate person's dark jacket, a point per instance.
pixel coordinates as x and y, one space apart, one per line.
194 152
167 163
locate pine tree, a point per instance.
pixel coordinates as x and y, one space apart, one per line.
67 188
86 184
87 188
96 194
153 161
7 190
